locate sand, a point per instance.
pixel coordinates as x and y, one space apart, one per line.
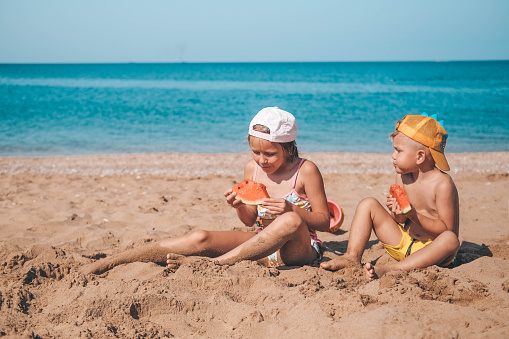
59 213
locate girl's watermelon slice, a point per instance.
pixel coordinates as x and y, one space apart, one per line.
401 197
251 192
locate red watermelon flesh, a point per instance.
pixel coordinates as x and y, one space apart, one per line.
251 192
401 197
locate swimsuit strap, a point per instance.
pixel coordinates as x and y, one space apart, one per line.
255 171
296 173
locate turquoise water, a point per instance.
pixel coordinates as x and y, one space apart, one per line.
78 109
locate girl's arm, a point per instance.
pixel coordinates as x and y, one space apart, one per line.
312 181
246 213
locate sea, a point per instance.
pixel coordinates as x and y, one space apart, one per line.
82 109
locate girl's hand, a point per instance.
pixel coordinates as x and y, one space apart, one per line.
277 206
230 199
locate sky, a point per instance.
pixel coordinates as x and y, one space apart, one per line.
110 31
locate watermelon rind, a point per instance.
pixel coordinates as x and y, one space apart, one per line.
406 210
247 202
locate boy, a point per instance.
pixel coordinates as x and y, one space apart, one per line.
428 233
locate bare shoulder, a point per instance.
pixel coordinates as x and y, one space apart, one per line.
309 168
310 184
309 176
444 184
249 169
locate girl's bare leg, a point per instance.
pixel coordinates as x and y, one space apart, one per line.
202 243
368 215
442 249
288 233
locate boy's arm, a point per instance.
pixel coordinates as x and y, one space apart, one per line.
396 213
447 206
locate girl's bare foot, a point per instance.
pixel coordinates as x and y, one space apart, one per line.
339 263
97 267
176 260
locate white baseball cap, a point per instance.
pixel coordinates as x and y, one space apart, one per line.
282 125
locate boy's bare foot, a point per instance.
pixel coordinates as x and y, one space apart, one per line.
339 263
370 272
381 270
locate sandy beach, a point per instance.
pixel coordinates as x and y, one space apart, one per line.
59 213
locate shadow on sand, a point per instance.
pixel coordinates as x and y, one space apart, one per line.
470 251
467 253
339 247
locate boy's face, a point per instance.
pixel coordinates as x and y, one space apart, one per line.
405 154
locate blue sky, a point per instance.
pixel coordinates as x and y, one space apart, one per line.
55 31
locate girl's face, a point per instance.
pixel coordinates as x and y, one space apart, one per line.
268 155
405 154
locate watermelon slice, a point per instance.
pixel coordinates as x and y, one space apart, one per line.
401 197
250 192
336 216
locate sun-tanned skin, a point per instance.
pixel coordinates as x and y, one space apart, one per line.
434 214
289 233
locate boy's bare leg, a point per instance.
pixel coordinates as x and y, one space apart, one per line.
204 243
443 248
370 214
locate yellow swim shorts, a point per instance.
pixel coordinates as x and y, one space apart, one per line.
408 246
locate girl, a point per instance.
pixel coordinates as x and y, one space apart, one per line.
286 222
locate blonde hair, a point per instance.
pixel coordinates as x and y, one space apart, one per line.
416 145
393 134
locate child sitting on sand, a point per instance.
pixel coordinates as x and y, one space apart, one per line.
286 222
428 233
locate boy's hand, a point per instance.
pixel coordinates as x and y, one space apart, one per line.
392 205
277 206
230 199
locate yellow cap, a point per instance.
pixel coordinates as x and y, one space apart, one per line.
427 131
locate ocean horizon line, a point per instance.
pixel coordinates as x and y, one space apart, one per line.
245 62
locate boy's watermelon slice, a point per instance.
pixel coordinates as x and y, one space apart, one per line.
251 192
401 197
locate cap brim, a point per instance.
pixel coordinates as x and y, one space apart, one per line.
440 160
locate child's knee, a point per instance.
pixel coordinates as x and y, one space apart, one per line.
451 240
291 221
198 238
367 205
